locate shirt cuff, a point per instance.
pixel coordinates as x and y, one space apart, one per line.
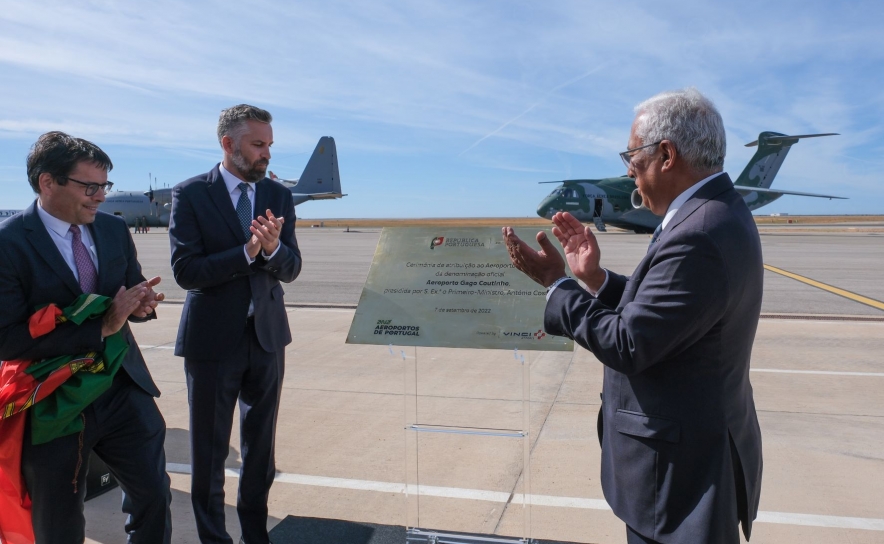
245 252
604 284
275 251
555 284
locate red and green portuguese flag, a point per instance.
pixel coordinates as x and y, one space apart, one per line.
55 391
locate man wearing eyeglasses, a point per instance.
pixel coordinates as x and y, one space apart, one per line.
58 249
681 445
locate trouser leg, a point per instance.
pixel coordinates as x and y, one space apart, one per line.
132 445
56 485
259 408
212 387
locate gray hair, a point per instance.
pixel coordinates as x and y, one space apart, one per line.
232 121
690 121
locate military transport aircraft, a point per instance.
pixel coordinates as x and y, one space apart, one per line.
6 214
617 202
319 181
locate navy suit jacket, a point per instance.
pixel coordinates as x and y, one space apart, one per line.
681 445
33 274
208 260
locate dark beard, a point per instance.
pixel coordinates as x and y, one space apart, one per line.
250 172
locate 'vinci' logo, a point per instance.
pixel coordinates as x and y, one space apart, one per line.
526 335
437 241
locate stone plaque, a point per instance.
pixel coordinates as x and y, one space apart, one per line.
451 287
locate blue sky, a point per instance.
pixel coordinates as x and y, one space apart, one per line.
444 108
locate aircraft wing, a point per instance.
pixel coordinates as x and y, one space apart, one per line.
318 196
780 138
743 190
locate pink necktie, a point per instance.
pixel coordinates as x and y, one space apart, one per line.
85 266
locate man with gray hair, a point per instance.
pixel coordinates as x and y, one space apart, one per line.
232 232
681 445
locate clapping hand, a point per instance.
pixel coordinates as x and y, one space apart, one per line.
267 230
544 266
150 299
581 249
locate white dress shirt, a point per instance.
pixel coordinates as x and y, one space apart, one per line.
232 182
670 213
60 233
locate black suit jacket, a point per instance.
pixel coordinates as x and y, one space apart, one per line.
33 274
208 260
681 445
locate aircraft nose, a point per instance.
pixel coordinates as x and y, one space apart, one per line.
545 210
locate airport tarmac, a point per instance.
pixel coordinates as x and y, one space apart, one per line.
817 373
336 264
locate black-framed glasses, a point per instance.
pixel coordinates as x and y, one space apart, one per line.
629 153
92 188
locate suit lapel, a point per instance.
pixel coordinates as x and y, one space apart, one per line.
39 237
262 198
219 195
102 240
712 189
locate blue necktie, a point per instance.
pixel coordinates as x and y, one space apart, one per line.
244 210
655 236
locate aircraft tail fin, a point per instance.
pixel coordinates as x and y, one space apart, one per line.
772 150
321 175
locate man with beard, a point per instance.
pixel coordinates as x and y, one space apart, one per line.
232 232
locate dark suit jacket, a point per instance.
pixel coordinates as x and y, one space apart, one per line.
33 274
208 260
676 339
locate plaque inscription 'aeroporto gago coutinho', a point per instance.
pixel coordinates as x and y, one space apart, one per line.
450 287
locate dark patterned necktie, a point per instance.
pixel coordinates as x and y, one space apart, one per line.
655 236
82 260
244 210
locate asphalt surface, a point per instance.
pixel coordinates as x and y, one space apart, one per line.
336 264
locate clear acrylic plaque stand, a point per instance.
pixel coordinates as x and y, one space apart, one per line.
467 458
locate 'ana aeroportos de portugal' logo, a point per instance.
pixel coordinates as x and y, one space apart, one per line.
437 241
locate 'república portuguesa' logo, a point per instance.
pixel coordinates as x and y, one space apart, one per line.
456 242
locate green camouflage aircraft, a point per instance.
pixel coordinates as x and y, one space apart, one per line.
616 201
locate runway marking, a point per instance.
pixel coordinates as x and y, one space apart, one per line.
165 346
819 372
779 518
825 287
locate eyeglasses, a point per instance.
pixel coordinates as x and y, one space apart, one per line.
92 188
629 153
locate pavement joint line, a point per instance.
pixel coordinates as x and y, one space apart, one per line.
778 518
826 287
771 370
323 306
818 372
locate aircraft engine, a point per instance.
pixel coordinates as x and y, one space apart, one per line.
636 199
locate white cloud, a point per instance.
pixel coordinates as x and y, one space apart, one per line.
446 83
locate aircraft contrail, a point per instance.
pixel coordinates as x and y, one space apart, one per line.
532 106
